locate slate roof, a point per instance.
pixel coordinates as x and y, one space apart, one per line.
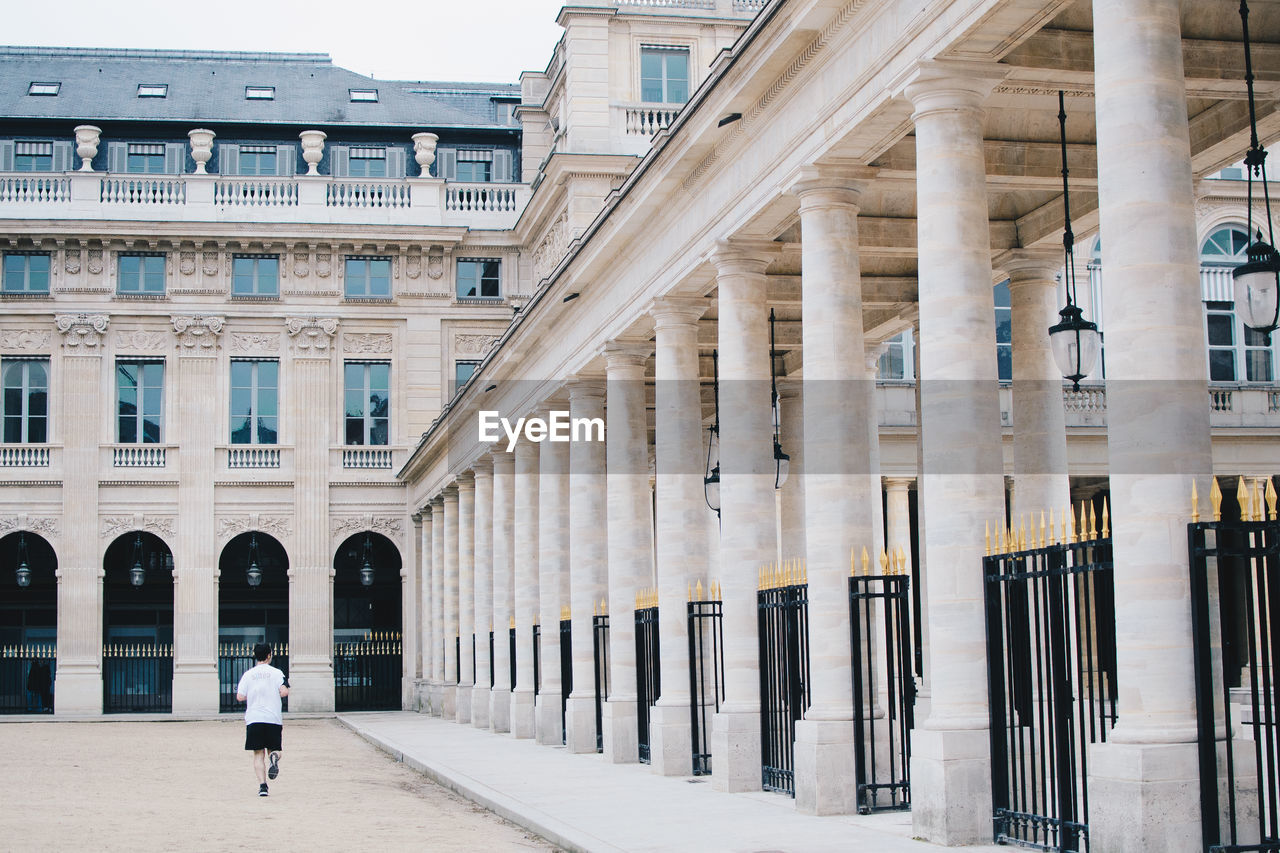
209 87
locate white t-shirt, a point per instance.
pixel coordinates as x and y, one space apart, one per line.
260 685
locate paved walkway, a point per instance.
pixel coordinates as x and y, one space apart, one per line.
582 803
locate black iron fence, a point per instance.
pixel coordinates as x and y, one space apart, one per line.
457 658
783 629
511 650
137 678
234 660
367 672
537 658
706 670
600 649
1235 609
883 687
648 676
566 667
493 678
27 674
1051 663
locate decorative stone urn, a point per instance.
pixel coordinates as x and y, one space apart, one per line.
424 152
201 148
87 137
312 149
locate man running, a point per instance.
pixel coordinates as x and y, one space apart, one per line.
261 688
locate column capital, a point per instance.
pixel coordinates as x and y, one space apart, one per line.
449 494
946 84
526 450
416 518
482 466
465 481
82 333
312 337
895 484
837 183
436 503
586 388
626 354
749 256
1036 265
197 334
503 462
675 312
790 388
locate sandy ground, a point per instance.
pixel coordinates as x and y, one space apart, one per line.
145 786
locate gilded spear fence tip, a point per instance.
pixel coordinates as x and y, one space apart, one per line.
1215 499
988 539
1195 504
1271 500
1242 497
866 561
1257 500
884 562
1106 519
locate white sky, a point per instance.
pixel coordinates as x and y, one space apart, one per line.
488 41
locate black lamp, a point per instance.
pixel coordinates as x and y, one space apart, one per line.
137 574
254 573
1257 282
24 570
781 461
366 568
1074 340
711 478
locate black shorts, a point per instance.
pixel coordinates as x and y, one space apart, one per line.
263 736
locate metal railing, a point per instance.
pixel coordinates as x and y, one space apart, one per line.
367 672
511 651
600 651
537 658
234 660
783 631
566 668
648 673
137 678
706 670
27 675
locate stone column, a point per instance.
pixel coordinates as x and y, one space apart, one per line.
898 535
311 564
1039 420
630 536
682 554
80 571
525 547
961 478
841 492
437 602
748 530
410 593
791 495
466 593
503 534
553 576
426 623
483 590
449 600
589 545
1144 781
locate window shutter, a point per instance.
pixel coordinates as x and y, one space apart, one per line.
61 156
286 159
395 162
447 164
175 158
6 155
502 165
228 159
339 157
117 157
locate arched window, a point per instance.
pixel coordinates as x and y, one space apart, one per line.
1229 342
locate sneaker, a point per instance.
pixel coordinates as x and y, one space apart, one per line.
274 770
262 790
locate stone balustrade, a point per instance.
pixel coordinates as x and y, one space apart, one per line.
138 455
253 456
368 457
24 455
647 120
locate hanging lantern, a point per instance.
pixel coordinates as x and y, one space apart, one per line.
254 573
366 567
24 569
137 574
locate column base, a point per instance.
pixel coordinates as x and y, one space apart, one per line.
824 767
735 745
951 786
550 720
480 707
420 698
462 713
580 724
670 740
619 725
433 698
310 687
499 710
1144 797
196 690
522 712
448 701
77 691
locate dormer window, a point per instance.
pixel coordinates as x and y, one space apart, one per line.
363 95
153 90
259 93
46 89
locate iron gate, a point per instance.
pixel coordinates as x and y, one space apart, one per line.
566 667
137 678
511 651
600 648
367 672
537 658
1051 677
884 691
27 674
234 659
648 677
706 670
783 617
1235 570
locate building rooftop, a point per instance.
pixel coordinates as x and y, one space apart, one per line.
212 87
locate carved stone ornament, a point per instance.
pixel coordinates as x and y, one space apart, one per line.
435 265
72 261
82 332
24 339
277 526
187 263
209 264
346 526
413 268
311 336
243 342
324 267
95 261
371 343
140 339
46 527
197 334
301 265
473 344
118 525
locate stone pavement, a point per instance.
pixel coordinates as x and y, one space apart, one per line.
582 803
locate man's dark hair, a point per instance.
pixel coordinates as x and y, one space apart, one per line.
261 651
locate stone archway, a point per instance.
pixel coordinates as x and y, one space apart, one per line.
367 624
28 623
137 625
253 607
